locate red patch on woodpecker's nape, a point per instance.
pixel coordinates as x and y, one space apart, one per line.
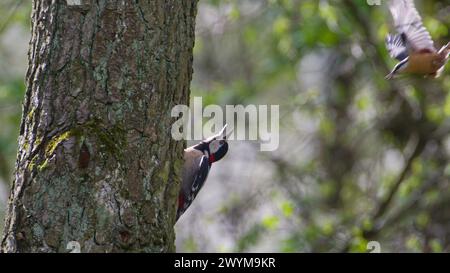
211 159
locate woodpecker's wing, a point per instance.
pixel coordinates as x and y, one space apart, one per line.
396 46
410 26
200 176
189 193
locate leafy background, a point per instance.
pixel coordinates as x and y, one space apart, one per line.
360 158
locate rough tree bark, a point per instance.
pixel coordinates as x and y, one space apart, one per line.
96 162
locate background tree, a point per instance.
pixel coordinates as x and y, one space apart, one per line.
96 161
360 158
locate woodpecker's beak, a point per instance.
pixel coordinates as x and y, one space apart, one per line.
221 133
224 133
230 132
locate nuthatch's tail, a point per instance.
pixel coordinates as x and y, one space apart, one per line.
389 76
448 51
445 51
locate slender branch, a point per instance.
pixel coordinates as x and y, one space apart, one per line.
412 204
418 145
416 151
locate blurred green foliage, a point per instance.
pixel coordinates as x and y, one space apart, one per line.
349 139
14 21
14 15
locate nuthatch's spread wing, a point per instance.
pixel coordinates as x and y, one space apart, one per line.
396 46
409 25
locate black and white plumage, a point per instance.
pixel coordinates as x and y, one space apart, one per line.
408 23
396 45
413 45
198 160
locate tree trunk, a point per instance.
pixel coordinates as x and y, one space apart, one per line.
96 161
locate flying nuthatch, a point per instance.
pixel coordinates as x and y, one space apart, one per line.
197 163
413 45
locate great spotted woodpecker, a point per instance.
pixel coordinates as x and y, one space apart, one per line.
197 163
413 45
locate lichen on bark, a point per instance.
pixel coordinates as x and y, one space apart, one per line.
96 162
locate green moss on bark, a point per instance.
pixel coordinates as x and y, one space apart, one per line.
95 162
